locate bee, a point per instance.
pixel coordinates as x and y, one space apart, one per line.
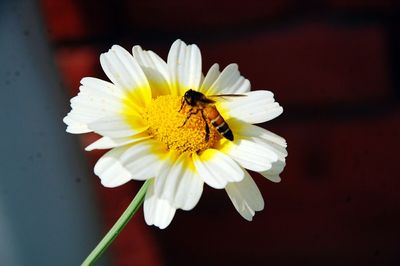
200 103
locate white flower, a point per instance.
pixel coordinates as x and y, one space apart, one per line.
152 135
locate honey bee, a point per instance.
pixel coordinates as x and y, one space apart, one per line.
200 103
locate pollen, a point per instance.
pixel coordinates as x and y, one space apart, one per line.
182 130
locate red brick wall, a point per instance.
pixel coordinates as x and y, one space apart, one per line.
333 65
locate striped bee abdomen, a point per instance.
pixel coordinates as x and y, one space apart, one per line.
218 122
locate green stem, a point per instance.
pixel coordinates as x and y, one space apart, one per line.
118 226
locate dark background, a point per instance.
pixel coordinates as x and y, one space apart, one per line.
335 68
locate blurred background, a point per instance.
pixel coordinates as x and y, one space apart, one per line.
333 65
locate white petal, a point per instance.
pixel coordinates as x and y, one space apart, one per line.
123 70
230 81
110 170
184 62
143 159
256 107
74 125
273 173
249 130
275 148
100 86
138 161
216 168
108 143
179 184
96 99
96 105
158 212
251 155
117 126
155 69
245 196
210 78
270 140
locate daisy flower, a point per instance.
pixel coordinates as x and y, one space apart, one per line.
155 134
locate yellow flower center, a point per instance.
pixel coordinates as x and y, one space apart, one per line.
167 124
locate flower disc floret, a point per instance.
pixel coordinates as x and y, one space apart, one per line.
167 124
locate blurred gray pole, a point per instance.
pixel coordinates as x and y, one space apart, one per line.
48 214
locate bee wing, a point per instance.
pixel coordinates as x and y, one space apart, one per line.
226 96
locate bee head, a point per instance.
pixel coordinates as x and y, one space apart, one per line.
191 97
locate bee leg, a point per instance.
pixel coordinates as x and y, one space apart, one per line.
183 103
207 127
190 114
